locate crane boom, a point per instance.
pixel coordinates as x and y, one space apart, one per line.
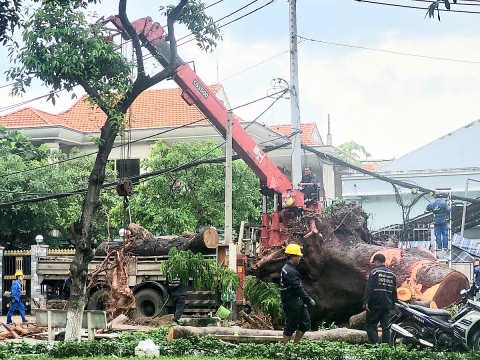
196 92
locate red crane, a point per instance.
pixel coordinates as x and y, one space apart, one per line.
196 92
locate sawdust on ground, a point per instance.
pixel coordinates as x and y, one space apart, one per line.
152 322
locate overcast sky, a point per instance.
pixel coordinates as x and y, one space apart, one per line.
391 104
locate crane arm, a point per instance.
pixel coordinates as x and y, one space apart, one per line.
196 92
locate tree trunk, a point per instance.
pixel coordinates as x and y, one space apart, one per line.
341 334
336 266
83 251
205 243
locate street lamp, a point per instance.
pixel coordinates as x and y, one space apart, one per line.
39 239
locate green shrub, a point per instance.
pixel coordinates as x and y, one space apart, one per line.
208 347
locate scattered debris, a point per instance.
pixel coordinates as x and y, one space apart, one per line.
17 331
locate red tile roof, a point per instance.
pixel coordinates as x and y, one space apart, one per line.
306 135
152 108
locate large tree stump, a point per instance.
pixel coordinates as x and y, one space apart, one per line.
345 335
204 243
336 265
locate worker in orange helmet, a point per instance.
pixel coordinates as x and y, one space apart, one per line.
294 297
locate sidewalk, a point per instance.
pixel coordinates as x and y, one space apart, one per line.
16 318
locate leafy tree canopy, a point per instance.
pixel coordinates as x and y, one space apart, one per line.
10 14
352 152
192 198
20 224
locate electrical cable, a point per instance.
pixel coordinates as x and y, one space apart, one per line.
192 163
388 51
234 20
150 136
414 7
335 160
222 18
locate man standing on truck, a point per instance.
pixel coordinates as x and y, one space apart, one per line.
309 184
16 302
178 293
380 296
294 297
440 210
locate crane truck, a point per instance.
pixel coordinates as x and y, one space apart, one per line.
145 280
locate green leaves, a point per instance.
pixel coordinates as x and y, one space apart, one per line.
204 273
435 6
352 152
264 296
202 26
63 50
192 198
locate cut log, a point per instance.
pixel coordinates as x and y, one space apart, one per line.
404 294
341 334
13 334
336 266
358 321
204 243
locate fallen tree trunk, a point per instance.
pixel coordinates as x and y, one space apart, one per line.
204 243
337 264
341 334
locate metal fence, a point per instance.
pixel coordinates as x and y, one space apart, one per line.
417 232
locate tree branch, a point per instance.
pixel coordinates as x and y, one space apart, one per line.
122 8
145 82
171 18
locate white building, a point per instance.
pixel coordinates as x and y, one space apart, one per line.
447 163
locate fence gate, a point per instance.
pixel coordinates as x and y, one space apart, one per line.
14 260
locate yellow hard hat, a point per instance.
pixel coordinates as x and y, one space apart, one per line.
293 249
289 201
18 273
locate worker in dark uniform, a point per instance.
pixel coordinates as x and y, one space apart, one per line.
178 294
67 285
294 297
309 184
379 299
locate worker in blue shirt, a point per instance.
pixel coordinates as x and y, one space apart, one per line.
16 302
440 210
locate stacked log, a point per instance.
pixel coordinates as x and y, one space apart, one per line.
143 243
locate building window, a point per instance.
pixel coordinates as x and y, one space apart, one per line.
127 167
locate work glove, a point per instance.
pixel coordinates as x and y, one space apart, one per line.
312 302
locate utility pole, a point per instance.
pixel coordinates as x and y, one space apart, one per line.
294 97
232 249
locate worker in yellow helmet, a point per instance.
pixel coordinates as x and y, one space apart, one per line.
16 302
294 297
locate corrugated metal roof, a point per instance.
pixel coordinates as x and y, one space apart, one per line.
456 150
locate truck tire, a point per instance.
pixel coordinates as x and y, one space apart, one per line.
98 299
149 304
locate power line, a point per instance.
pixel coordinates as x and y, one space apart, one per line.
234 20
415 7
224 17
388 51
191 163
147 56
144 138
